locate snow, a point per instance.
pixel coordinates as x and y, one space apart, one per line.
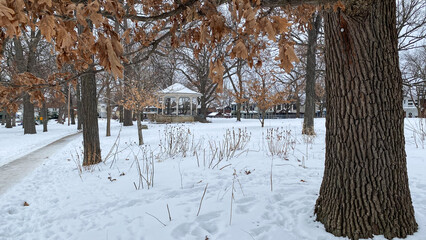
15 144
178 88
213 114
103 203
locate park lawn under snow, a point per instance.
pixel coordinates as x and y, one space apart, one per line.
14 144
103 203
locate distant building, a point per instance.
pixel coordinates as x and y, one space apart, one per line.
410 109
287 110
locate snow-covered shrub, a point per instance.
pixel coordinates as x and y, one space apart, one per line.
233 140
144 162
280 141
175 140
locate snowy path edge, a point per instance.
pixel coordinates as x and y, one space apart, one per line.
16 170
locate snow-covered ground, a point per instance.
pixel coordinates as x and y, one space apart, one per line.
103 203
14 144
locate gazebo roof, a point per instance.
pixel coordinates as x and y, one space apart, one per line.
178 89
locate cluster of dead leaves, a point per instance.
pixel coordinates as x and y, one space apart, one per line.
139 98
36 87
263 92
85 34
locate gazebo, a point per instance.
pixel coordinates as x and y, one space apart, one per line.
178 104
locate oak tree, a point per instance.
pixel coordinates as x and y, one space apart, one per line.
365 188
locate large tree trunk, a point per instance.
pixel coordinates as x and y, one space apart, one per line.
203 107
8 120
308 116
72 115
365 185
298 107
45 116
139 123
127 118
28 119
321 109
238 112
3 119
127 113
121 112
89 103
13 119
60 115
27 65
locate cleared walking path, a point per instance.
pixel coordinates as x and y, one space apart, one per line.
13 172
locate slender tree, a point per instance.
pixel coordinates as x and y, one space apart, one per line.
92 150
108 107
8 120
237 84
308 117
44 114
27 65
197 74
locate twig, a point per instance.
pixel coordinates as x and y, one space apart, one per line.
168 210
232 198
248 234
198 161
225 166
272 163
204 193
181 177
241 187
156 218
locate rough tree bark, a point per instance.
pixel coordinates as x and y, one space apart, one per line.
238 112
298 107
45 116
31 65
127 118
28 118
60 119
203 107
127 113
72 112
308 117
27 65
89 103
365 185
8 120
139 123
13 119
121 111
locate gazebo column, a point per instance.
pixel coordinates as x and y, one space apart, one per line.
190 103
177 105
163 105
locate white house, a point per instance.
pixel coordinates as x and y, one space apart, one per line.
410 108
